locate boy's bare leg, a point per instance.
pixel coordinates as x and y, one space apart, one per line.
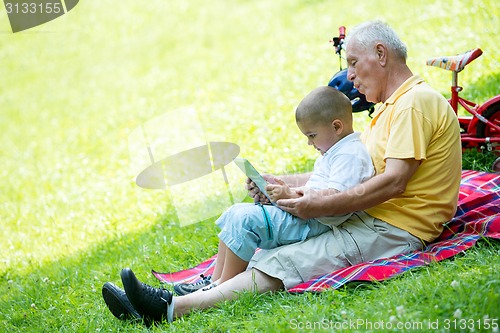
219 261
251 280
227 265
233 265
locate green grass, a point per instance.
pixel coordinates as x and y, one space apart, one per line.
74 89
473 159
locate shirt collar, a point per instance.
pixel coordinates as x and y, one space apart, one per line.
407 85
352 136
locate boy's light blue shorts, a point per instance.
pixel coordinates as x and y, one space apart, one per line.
247 226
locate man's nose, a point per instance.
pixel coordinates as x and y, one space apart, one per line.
350 74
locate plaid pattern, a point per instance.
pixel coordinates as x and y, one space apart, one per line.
478 216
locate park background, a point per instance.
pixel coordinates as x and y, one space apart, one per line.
74 89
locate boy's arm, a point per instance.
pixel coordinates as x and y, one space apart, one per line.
284 186
282 191
290 181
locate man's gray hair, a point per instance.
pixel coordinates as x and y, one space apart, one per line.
372 32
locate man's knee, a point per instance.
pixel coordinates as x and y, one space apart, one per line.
265 282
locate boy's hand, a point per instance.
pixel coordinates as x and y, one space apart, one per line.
255 193
279 190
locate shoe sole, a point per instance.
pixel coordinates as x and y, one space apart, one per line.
116 305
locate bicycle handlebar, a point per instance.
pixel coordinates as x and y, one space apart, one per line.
341 32
338 42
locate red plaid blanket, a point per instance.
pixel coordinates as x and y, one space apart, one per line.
478 216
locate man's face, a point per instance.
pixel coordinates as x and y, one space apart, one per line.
364 70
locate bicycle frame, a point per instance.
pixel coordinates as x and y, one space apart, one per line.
481 128
474 109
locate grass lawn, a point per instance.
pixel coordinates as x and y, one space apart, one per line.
73 91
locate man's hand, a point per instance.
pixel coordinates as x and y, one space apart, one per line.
301 206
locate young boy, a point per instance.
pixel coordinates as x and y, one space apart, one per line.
325 118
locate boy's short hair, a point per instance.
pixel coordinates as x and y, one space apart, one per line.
323 105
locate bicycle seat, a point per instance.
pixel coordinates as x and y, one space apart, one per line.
455 63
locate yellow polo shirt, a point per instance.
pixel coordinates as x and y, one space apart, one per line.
417 122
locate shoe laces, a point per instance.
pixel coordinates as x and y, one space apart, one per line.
210 286
203 280
155 293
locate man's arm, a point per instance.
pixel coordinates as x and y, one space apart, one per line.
376 190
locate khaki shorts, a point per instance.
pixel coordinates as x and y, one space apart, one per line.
361 238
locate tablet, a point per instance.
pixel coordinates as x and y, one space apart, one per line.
252 173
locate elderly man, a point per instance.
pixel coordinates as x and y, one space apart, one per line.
414 142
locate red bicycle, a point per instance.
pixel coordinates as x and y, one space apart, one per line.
479 130
482 128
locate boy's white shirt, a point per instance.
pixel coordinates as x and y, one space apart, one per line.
345 165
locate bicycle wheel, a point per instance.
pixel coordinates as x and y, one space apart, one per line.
492 114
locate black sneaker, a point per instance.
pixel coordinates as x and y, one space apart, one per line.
188 288
118 303
153 304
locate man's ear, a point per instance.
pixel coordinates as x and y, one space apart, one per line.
381 53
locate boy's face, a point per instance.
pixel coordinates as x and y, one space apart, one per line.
321 136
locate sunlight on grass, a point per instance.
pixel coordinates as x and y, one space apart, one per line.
72 106
74 90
